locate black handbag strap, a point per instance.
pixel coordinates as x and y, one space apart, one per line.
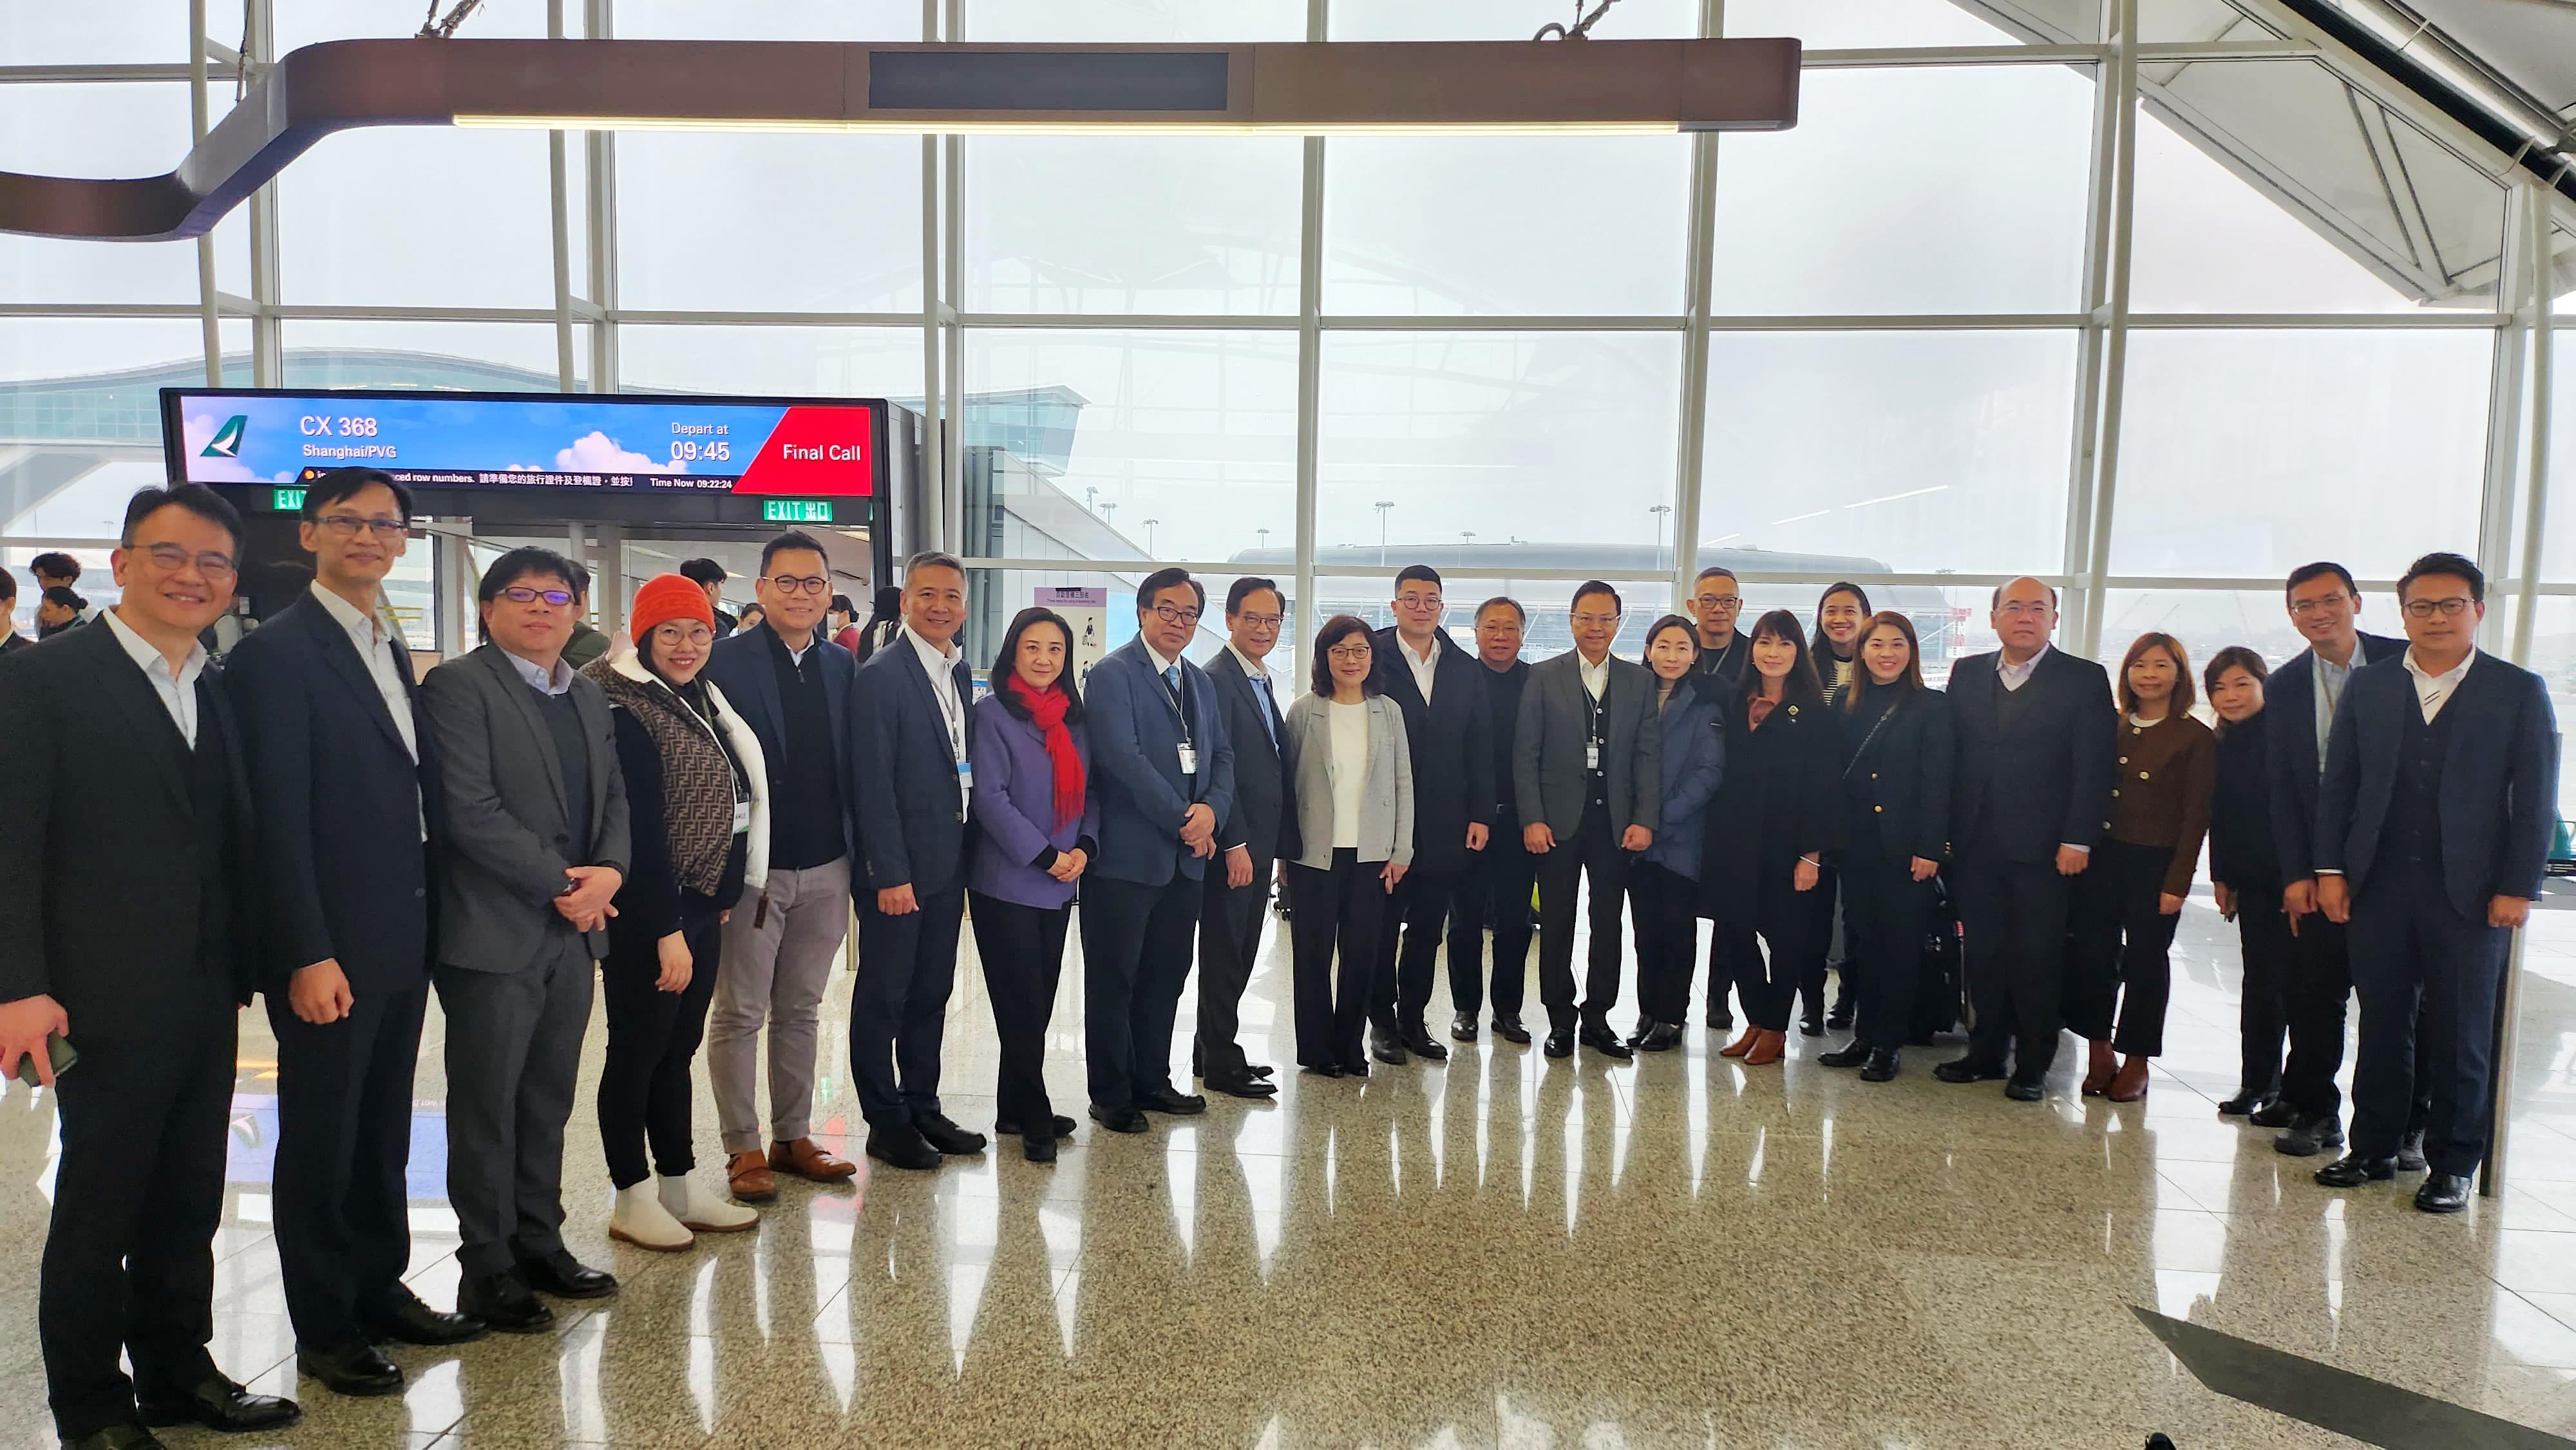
1872 735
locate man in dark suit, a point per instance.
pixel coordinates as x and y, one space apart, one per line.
792 686
1259 831
1717 602
2433 828
11 641
912 704
1164 768
1450 734
324 694
2301 698
2034 728
534 846
1587 771
1499 878
124 823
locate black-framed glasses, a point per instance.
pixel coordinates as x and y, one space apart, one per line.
522 594
170 559
2451 608
1260 621
1176 614
1419 601
1721 601
346 526
799 584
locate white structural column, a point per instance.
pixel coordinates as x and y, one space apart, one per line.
2120 82
199 106
267 352
1699 249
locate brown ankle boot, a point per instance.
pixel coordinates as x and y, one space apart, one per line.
2131 1083
1742 1045
1772 1047
2099 1069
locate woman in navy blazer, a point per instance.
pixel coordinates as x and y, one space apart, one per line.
1663 894
1041 823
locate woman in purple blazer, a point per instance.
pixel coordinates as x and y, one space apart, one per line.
1032 763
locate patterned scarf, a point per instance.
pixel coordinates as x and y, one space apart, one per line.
698 775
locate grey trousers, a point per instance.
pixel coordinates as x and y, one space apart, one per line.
513 1056
776 965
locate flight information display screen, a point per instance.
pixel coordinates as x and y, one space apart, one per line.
810 448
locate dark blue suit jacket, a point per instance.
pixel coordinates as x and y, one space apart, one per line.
2055 763
912 825
1136 765
2499 787
740 665
2290 751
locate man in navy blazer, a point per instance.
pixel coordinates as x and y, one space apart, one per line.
2300 698
913 703
1260 829
1165 775
792 686
2433 829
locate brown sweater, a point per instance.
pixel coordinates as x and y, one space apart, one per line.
2160 792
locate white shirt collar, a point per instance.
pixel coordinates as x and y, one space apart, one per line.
355 621
1253 669
1160 662
1422 658
538 680
937 661
148 656
2448 679
1596 678
2014 674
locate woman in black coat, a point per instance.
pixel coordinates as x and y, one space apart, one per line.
2245 872
1769 826
1896 811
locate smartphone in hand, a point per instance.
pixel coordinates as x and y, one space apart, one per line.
58 1050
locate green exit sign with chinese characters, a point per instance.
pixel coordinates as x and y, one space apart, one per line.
286 500
795 511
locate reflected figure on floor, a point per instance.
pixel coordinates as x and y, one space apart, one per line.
697 799
2129 901
1354 775
1499 879
536 848
125 767
2434 823
1842 612
1259 833
2245 873
1041 828
1717 601
1898 752
1663 884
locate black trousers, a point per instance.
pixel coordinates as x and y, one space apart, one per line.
129 1263
2263 1013
2321 984
2122 953
2012 917
1885 912
1723 972
343 1212
644 1082
1593 852
1340 913
1784 918
899 1005
1229 950
513 1063
2428 978
1136 942
1400 984
1022 948
1821 903
1495 887
1663 915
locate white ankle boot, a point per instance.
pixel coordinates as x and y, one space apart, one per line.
641 1220
703 1210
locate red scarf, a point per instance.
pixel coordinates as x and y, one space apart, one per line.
1046 711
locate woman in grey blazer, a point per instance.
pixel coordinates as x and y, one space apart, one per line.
1354 773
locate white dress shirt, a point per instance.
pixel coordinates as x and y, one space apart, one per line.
1262 689
2432 690
178 692
539 680
1424 668
2330 680
367 632
2013 676
941 666
1596 677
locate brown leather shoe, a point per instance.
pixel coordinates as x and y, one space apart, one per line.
808 1162
747 1174
2131 1082
2099 1068
1772 1047
1742 1045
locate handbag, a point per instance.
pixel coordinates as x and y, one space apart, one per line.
1940 998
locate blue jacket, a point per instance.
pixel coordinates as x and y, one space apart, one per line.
741 667
912 821
1694 760
2290 751
1015 808
1136 738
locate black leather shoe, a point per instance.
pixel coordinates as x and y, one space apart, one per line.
2352 1170
1386 1050
1606 1042
904 1148
2246 1103
566 1277
1243 1087
2278 1113
406 1320
1852 1055
1560 1042
117 1437
2410 1156
1321 1069
1118 1120
1721 1020
1261 1070
1005 1128
1038 1150
2443 1193
1811 1023
1509 1028
1662 1037
2308 1137
2026 1089
1882 1065
1967 1069
1166 1100
504 1302
947 1137
356 1368
1419 1042
1840 1019
1462 1027
1358 1067
218 1404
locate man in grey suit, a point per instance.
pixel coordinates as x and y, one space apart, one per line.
1586 760
536 849
1260 830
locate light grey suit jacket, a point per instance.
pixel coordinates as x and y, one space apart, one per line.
1548 749
506 838
1386 800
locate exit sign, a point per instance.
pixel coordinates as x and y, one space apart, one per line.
795 511
286 500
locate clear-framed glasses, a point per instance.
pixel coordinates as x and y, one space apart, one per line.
1177 614
1593 618
799 584
2025 609
2451 608
1355 653
346 526
1720 601
170 559
522 594
1260 621
683 631
2305 607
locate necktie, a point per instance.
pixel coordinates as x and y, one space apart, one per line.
1172 678
1261 684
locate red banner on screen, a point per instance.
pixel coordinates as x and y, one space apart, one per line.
813 453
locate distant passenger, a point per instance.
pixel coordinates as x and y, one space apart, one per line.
842 623
1501 877
1258 833
1346 743
60 571
884 618
58 610
588 642
753 616
710 576
1663 883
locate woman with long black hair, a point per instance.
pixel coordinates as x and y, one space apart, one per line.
1663 882
2245 873
1842 614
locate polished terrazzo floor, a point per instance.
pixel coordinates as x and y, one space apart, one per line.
1501 1250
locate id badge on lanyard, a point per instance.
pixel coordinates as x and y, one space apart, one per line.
1189 758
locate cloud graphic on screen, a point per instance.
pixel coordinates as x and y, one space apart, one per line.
195 433
596 452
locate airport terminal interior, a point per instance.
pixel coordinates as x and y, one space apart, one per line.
2151 300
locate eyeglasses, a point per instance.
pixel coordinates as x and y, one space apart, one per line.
1259 621
346 526
170 559
2305 607
1351 652
1175 614
2450 608
791 584
522 594
1593 618
684 633
2024 609
1418 601
1721 601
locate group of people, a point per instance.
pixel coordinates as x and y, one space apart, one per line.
691 820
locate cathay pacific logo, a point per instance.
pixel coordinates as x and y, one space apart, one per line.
228 439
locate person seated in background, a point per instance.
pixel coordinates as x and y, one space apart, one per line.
58 609
1663 884
2245 873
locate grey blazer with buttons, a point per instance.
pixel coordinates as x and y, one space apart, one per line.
1386 800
